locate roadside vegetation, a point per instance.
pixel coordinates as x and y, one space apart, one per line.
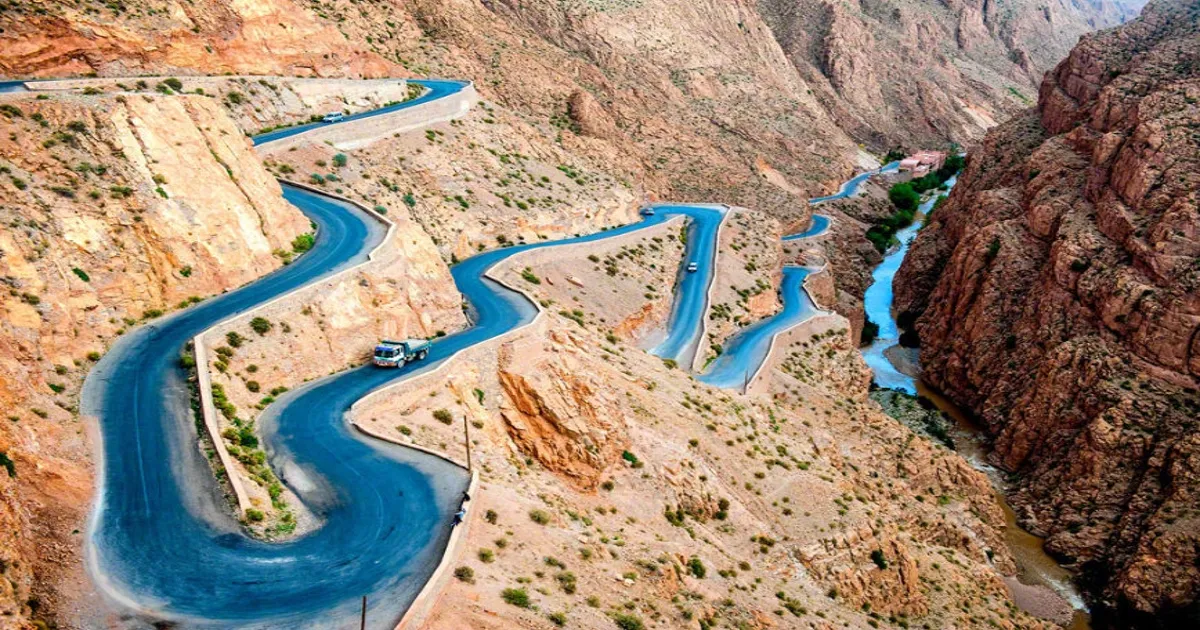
906 197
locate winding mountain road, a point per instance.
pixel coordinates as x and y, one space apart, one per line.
161 540
746 351
434 90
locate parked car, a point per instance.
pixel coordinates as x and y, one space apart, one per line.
333 117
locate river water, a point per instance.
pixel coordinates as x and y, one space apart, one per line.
1035 567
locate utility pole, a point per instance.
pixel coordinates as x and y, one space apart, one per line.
467 437
363 624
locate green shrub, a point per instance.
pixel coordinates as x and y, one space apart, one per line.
254 516
870 330
260 325
878 559
696 567
247 438
187 361
539 516
903 196
993 249
518 597
443 415
303 243
487 556
339 160
8 464
566 580
626 621
82 274
465 574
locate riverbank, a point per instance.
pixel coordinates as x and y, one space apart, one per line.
1041 587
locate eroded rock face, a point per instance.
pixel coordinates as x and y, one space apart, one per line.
115 210
560 413
923 72
210 37
1058 295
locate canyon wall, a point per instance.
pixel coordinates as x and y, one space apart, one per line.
55 39
916 72
115 210
701 101
1057 296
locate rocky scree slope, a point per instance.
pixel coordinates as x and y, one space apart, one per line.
1057 296
114 211
58 39
616 489
916 72
703 100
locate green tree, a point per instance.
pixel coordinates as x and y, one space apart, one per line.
904 197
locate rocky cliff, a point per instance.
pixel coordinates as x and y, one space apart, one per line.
701 101
918 72
204 37
1057 295
115 210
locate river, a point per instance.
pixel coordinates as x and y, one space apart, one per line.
1035 567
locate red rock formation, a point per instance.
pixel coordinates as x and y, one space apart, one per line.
208 37
558 412
1058 297
917 72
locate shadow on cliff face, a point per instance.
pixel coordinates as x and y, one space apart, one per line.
1095 577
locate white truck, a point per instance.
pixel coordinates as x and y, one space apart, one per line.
397 353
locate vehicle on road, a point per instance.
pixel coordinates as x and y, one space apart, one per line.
647 212
397 353
692 267
333 117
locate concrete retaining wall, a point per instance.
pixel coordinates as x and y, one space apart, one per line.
356 134
418 612
207 408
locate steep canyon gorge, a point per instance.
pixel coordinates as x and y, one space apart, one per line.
1056 296
1054 293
